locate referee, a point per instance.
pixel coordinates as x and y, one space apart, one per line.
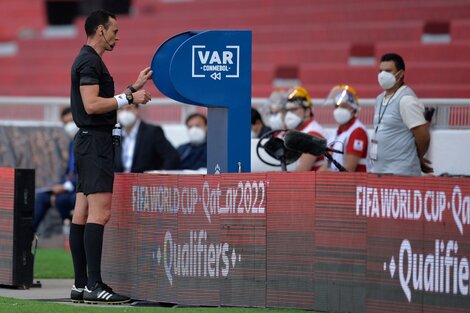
94 106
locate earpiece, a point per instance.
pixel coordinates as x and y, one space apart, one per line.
102 33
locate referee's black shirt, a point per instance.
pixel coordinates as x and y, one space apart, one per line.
89 69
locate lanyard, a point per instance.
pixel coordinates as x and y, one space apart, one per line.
381 114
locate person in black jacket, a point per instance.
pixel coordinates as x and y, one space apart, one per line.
193 154
144 146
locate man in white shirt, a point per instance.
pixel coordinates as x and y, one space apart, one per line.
144 146
129 133
401 133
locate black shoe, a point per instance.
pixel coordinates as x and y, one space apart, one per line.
76 295
103 294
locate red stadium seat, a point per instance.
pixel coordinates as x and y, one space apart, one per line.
316 37
20 17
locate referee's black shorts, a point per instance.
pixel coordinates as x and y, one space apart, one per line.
94 160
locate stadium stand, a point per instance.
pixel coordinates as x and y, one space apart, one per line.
316 37
21 18
319 42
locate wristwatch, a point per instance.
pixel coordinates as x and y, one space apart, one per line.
129 97
131 88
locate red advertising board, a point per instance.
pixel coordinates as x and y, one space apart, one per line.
7 185
338 242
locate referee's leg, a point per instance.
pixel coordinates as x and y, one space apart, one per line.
99 207
99 213
77 246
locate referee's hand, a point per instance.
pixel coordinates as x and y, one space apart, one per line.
144 76
141 97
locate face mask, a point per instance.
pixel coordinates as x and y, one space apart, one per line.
196 135
126 118
275 121
254 135
71 129
292 120
386 80
342 115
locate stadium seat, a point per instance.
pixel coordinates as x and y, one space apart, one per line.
316 37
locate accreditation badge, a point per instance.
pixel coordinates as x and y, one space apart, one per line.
373 149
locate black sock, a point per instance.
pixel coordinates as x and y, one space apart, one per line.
93 248
77 248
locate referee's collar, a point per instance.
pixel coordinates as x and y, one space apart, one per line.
88 47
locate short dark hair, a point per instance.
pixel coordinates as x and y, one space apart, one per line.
65 111
396 58
95 19
255 116
191 116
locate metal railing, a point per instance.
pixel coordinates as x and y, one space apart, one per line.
449 114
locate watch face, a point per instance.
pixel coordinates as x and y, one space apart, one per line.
129 97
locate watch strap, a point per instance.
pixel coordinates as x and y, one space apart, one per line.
131 88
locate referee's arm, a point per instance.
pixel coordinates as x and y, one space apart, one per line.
95 104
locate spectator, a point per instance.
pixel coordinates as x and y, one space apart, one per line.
144 146
351 135
62 194
258 129
193 155
277 104
401 134
300 117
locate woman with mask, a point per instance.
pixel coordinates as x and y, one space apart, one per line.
299 116
351 135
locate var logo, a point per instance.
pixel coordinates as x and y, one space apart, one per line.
216 64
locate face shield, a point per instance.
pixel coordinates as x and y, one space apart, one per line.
342 96
277 101
274 109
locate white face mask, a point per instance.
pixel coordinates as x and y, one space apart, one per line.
196 135
342 115
386 80
254 135
126 118
275 121
292 120
71 129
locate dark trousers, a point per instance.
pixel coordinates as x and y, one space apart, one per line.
64 203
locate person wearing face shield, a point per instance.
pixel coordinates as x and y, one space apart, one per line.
401 133
351 135
276 104
62 194
299 116
193 154
144 146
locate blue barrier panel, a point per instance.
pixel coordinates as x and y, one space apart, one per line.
212 69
